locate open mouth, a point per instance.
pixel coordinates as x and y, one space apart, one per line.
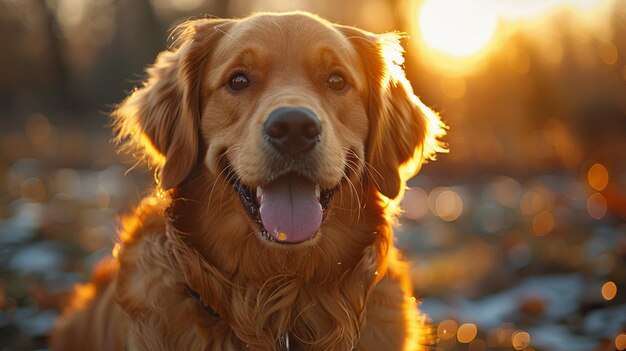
289 209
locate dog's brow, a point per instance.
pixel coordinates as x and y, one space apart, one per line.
217 29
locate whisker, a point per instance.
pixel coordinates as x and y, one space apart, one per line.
354 191
368 166
226 169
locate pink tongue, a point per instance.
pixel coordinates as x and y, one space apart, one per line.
289 209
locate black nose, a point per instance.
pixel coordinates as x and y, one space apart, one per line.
292 131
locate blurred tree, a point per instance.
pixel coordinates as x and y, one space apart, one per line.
33 74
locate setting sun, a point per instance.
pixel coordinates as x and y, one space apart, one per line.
459 36
457 27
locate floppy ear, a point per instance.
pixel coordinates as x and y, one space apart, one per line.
161 118
403 132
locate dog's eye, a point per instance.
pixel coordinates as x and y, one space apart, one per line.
336 82
238 81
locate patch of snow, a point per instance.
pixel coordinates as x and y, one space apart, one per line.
558 338
23 225
606 322
42 257
561 293
33 322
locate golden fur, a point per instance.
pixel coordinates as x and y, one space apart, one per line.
346 288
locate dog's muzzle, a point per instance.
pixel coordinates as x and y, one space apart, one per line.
293 132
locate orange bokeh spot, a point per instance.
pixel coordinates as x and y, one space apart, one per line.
447 329
466 333
598 177
543 223
446 204
609 290
620 342
520 340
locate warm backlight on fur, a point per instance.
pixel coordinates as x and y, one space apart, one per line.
392 53
116 250
83 294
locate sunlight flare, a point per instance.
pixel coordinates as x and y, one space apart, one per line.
457 27
457 36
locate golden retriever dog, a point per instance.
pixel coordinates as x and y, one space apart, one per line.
281 143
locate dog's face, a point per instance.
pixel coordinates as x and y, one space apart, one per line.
284 115
288 108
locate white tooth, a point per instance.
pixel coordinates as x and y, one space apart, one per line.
317 191
259 192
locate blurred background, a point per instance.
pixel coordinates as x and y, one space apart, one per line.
517 237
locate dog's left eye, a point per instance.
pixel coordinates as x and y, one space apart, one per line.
238 82
336 82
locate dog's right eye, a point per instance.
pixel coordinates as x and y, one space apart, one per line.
336 82
238 81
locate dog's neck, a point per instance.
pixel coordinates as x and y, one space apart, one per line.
260 316
316 295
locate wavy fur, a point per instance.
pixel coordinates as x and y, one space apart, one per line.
346 289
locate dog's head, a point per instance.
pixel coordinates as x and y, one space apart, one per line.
288 108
